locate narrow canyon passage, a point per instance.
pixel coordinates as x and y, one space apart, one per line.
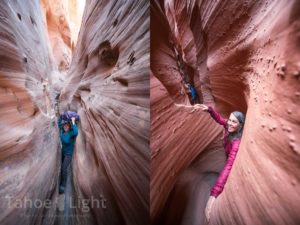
100 70
245 57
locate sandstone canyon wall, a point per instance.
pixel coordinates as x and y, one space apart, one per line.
109 87
29 149
105 80
241 55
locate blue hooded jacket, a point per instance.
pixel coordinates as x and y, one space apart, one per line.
68 138
193 92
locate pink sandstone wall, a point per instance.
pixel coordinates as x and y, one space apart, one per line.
105 80
244 56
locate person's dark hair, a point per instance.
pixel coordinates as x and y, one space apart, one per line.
241 118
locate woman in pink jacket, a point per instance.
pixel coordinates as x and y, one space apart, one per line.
232 137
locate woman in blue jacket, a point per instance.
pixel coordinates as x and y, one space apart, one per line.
68 134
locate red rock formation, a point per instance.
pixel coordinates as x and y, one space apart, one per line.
107 84
244 56
29 147
58 29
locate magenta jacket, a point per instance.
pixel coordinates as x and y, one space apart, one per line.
231 148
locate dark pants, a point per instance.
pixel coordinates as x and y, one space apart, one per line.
66 161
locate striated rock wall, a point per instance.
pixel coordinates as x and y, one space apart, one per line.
107 83
62 20
29 146
244 56
108 86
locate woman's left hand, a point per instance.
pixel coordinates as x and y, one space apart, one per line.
208 207
73 120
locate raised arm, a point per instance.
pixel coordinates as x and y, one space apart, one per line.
74 131
222 179
216 116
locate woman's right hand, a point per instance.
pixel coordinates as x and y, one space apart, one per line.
201 106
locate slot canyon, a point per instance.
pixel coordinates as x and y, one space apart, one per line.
240 55
93 59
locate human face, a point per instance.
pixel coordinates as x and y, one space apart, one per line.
66 127
233 124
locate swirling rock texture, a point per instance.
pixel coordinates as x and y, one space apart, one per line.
242 55
29 149
107 83
109 87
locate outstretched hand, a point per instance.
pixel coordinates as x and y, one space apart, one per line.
200 106
194 107
208 207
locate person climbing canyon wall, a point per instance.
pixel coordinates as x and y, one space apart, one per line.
244 56
102 75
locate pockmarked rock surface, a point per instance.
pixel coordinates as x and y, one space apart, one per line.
105 78
241 55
